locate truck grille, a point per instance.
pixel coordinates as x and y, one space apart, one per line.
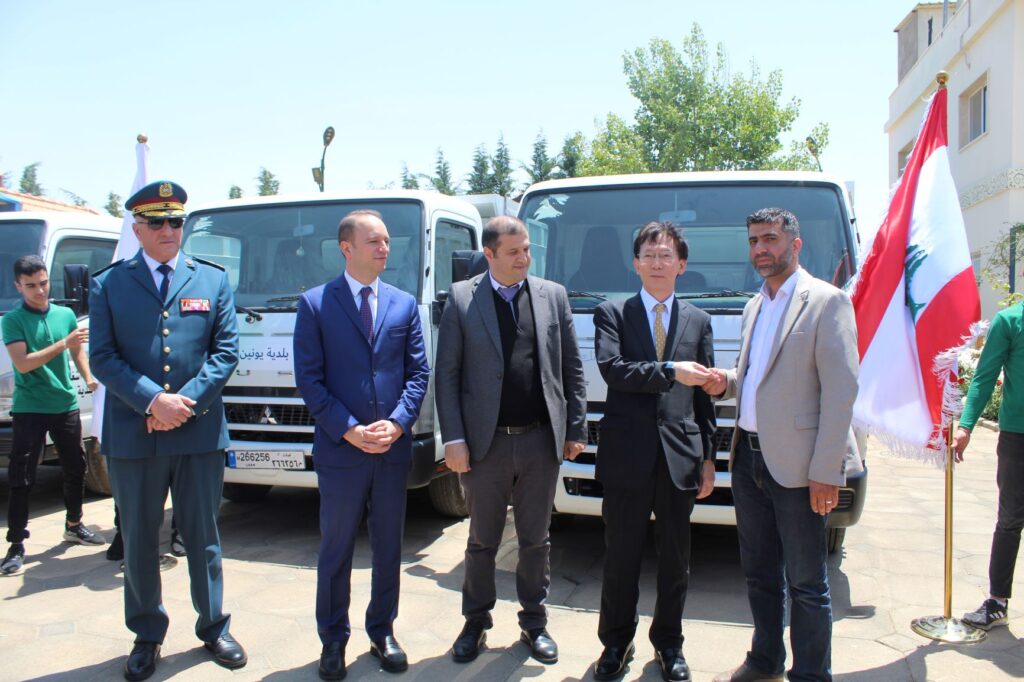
722 438
268 414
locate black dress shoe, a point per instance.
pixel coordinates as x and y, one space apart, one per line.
115 550
141 661
673 665
469 642
612 664
332 662
542 647
389 651
227 652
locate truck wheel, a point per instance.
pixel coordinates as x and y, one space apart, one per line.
835 539
96 478
244 493
447 496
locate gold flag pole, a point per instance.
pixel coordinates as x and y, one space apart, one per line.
945 628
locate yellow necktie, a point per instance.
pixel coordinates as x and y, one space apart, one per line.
659 330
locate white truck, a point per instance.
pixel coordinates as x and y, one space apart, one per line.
581 235
274 248
60 238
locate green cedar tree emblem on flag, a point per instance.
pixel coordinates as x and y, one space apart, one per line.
915 257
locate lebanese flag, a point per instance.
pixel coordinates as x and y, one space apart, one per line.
916 301
127 246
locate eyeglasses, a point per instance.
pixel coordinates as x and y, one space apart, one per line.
666 257
158 223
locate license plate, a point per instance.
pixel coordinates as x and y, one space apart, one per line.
267 459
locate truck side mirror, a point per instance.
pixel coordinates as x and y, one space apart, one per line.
76 288
437 307
466 264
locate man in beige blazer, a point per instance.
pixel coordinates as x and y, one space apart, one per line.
795 382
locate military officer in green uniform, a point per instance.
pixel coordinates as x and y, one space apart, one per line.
164 341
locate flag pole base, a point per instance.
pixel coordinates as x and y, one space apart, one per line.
951 630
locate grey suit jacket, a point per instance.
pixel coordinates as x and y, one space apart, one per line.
469 365
805 400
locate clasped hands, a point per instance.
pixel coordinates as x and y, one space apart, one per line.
169 411
711 379
375 438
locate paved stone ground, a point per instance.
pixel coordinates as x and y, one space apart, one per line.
62 618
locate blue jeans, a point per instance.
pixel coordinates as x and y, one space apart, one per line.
782 543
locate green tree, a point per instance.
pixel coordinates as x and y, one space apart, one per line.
574 150
75 199
694 115
542 167
409 181
30 180
268 183
501 169
997 268
442 178
479 179
235 192
113 206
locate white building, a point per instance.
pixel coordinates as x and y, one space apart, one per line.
981 46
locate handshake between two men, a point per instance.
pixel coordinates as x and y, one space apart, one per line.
711 379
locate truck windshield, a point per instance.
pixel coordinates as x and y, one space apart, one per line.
274 253
583 238
17 238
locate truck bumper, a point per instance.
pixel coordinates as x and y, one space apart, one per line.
579 493
423 469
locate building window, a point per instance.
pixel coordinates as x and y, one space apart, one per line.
902 157
974 111
976 266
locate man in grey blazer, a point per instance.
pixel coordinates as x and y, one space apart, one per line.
795 382
511 401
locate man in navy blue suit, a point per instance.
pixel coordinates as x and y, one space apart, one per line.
164 343
362 370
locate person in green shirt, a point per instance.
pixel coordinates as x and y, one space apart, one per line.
39 335
1003 351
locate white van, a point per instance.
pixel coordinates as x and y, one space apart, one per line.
274 248
60 238
581 235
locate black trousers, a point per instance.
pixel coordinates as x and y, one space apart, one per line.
626 512
29 439
1010 520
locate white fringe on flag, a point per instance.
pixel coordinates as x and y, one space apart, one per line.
945 368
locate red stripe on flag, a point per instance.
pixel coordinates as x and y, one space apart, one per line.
884 263
941 327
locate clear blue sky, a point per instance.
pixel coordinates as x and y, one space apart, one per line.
223 88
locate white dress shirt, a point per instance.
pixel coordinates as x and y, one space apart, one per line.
356 286
153 264
765 327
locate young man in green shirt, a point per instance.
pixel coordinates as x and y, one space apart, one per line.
1004 350
38 336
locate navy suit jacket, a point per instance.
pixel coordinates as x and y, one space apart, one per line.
345 381
140 346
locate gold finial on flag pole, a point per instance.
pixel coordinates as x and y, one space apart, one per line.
142 139
941 77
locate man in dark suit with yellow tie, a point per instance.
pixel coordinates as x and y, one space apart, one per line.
164 341
655 452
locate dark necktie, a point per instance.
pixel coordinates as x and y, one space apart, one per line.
509 293
165 270
365 314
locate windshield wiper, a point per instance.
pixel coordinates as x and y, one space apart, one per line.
586 294
251 315
291 298
724 293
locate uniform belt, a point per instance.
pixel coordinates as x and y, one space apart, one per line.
753 442
517 430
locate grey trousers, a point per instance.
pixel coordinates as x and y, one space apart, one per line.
521 470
